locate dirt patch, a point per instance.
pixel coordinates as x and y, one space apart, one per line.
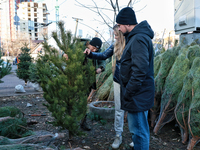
99 138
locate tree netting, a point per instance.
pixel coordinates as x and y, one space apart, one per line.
194 110
166 61
185 96
104 91
172 88
157 61
104 82
102 77
179 91
111 95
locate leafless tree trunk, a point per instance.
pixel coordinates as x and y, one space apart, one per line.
105 17
14 47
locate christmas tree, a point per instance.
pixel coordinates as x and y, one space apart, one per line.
23 65
4 69
65 82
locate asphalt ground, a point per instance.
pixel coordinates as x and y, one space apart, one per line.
7 88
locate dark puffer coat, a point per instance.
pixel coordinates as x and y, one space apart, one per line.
136 70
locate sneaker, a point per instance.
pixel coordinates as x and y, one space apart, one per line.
131 144
117 142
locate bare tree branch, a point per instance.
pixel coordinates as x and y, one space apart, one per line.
94 30
129 3
92 7
113 6
100 14
85 6
141 8
101 11
117 4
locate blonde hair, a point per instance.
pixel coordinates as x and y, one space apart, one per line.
119 44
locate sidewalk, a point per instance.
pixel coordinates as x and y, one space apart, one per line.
7 88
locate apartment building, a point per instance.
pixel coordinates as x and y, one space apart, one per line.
7 13
32 17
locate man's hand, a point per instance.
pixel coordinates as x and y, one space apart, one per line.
66 56
98 70
87 51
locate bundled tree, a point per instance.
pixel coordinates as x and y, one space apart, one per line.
4 69
193 113
65 82
12 123
166 61
185 99
23 65
33 76
172 88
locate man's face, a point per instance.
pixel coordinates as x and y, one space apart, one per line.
92 48
122 28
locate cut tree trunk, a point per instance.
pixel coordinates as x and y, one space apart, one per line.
153 117
5 118
38 137
24 146
161 119
193 142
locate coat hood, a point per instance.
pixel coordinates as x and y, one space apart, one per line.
141 28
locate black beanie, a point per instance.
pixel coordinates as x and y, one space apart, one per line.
126 16
96 42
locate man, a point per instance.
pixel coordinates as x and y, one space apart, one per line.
17 60
136 75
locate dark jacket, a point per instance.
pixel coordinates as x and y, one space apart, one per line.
107 54
99 63
136 70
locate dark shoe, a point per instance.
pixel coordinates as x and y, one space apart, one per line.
85 126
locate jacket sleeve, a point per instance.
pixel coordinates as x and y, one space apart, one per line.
104 55
101 64
139 65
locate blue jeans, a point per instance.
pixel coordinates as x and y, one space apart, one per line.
139 128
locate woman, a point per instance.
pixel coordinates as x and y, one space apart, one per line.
116 49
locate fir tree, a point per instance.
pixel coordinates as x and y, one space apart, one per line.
23 65
4 69
65 82
33 76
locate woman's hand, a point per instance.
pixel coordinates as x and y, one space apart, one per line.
66 56
87 51
98 70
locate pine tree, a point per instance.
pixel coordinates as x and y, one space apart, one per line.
4 69
65 82
25 62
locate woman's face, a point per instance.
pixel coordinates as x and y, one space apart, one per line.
116 35
92 48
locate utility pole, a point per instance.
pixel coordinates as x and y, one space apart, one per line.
163 38
57 14
77 19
